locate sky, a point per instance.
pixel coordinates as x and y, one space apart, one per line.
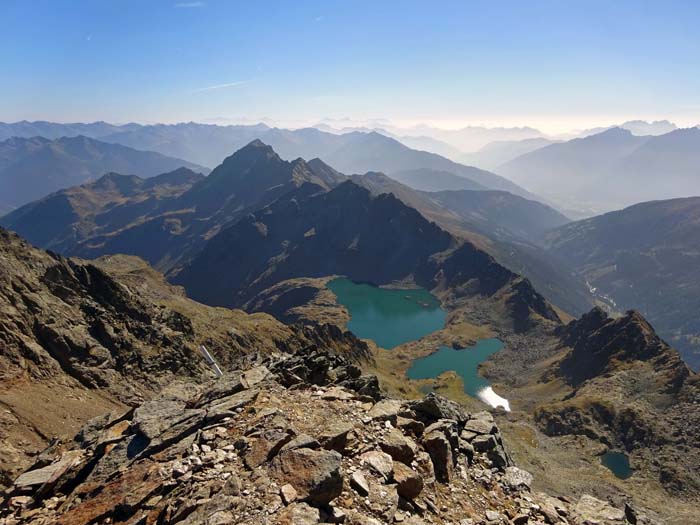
554 65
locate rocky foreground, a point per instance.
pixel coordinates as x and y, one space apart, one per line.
299 439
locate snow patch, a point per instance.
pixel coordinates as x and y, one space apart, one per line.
491 398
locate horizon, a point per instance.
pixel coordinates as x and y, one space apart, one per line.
546 65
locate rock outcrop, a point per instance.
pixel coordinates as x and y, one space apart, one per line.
79 339
251 448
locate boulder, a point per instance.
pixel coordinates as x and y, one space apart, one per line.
359 483
316 475
335 437
398 446
481 423
408 482
299 514
433 407
440 450
517 479
379 462
387 409
594 511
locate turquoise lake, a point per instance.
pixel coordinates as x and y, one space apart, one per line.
465 362
389 317
618 463
392 317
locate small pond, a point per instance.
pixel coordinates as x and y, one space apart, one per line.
618 463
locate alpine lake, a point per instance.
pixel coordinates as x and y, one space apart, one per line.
392 317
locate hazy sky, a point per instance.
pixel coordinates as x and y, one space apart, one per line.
551 64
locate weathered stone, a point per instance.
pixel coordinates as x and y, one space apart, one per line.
357 518
438 446
398 446
383 500
264 447
299 514
517 479
484 443
254 376
50 473
335 436
481 423
408 425
433 407
301 441
359 483
594 511
387 409
316 475
288 493
408 482
379 462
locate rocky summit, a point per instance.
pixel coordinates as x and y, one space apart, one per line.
295 440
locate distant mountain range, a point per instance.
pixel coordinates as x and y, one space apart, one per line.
611 170
494 154
637 127
118 214
33 167
170 219
645 257
208 145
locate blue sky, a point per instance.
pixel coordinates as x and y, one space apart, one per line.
543 63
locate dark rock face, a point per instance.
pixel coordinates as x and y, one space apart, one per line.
599 343
166 221
345 231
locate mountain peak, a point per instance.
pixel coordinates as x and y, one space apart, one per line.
600 344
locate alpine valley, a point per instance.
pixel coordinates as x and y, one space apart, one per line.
110 287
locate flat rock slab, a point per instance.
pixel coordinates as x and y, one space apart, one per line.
49 473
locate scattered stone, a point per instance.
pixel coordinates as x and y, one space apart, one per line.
359 483
315 474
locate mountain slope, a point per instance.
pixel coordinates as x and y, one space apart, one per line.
632 392
159 224
502 224
32 168
362 152
80 339
612 169
645 257
495 154
348 231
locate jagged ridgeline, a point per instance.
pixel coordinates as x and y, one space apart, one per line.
82 338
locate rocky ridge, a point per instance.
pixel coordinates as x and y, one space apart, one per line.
78 339
299 439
